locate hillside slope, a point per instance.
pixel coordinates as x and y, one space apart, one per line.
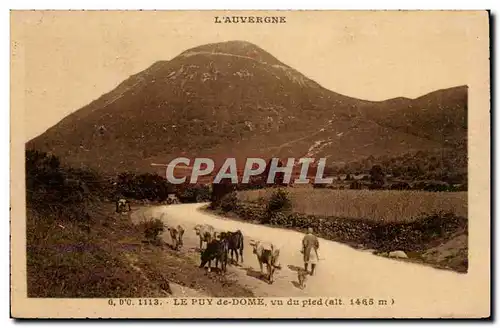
235 99
440 115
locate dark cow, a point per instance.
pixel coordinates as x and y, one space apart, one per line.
216 250
235 244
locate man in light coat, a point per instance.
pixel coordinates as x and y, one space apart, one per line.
310 245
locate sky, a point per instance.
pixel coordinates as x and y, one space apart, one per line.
71 58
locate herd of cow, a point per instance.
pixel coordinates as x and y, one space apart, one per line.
220 245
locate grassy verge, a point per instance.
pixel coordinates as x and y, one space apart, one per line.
77 246
109 260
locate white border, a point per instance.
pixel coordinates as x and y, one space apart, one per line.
257 4
190 5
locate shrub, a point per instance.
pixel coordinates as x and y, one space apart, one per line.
255 182
377 177
250 212
400 186
187 194
143 186
152 228
52 190
203 194
279 219
219 190
229 202
355 185
194 194
279 202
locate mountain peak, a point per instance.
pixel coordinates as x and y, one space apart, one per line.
237 48
233 46
234 99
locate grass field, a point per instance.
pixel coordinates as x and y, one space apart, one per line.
383 205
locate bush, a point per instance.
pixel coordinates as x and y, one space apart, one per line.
400 186
432 186
203 194
280 201
255 182
90 182
250 212
229 202
44 177
52 190
219 190
355 185
143 186
152 228
194 194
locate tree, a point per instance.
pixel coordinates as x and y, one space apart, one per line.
397 171
279 201
377 177
355 185
219 190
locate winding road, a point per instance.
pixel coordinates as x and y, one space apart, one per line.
342 271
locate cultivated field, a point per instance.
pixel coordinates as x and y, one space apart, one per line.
383 205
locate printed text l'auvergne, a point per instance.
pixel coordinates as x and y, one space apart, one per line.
249 19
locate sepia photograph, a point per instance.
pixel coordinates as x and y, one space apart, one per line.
250 164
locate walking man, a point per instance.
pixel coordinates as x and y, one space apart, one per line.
310 245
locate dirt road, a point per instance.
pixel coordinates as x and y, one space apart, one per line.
342 271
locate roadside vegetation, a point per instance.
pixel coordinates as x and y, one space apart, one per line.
77 246
415 202
429 227
74 234
379 205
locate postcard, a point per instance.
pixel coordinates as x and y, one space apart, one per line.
250 164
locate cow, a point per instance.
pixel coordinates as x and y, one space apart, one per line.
206 233
235 244
176 233
172 199
267 254
216 249
121 206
